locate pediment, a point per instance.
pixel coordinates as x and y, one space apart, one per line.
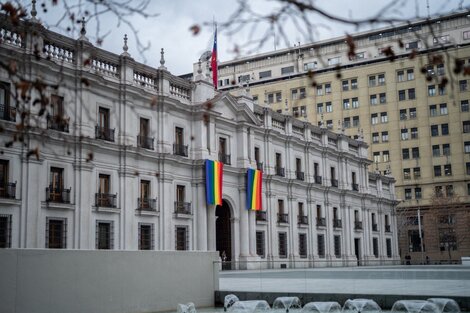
229 108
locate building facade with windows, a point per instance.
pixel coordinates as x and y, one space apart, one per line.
113 158
406 91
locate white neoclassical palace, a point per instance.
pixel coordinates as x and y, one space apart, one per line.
112 156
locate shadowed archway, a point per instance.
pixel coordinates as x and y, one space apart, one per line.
223 231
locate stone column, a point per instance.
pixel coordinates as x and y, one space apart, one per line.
166 213
128 197
211 228
32 193
202 227
252 232
244 241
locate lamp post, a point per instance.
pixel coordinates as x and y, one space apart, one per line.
420 236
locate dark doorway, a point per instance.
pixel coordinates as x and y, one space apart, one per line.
357 250
223 234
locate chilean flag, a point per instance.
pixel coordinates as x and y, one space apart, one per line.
214 60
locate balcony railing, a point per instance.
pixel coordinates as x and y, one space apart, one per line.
145 142
57 123
387 228
261 216
8 190
106 200
374 227
259 166
280 171
357 225
355 187
182 207
321 221
334 182
283 218
337 223
7 113
179 149
104 133
225 158
58 195
302 220
318 179
299 175
147 204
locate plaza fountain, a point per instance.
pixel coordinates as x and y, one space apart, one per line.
361 305
322 307
186 308
229 300
287 303
232 304
445 305
251 306
414 306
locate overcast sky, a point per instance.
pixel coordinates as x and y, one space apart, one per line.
170 29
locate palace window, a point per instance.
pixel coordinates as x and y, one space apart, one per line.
56 233
146 236
105 235
181 238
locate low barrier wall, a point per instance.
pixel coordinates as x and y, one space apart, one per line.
80 281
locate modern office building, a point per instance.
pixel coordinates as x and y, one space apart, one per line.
102 152
406 91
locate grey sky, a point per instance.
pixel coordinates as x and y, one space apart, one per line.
170 29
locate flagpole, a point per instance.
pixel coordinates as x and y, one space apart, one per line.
214 57
420 236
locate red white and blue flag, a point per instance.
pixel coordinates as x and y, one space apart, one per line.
214 60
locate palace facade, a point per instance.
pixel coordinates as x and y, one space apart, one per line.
111 156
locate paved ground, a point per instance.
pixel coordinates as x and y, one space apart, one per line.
439 281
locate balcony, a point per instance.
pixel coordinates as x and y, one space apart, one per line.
105 200
261 216
334 183
387 229
259 166
283 218
57 123
355 187
337 223
8 190
302 220
145 142
104 133
299 175
321 221
182 207
225 158
358 225
7 113
58 195
280 171
375 227
317 179
146 204
179 149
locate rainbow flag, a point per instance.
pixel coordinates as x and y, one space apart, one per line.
253 189
214 171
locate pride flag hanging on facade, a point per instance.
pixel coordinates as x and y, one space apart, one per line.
214 173
253 189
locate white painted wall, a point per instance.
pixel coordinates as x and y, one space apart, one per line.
77 281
